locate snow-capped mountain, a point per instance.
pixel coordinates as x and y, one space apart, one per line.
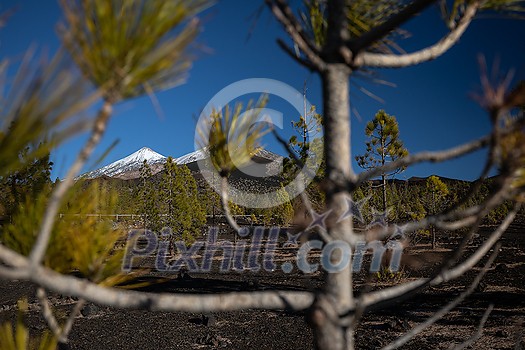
129 166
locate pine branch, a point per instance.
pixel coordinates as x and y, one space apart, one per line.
169 302
395 21
434 157
367 59
44 234
284 14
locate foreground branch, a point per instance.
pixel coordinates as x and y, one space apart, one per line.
283 13
61 333
446 309
479 331
47 313
367 59
396 293
99 127
226 205
425 156
168 302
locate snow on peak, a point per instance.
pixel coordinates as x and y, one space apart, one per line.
128 167
192 156
143 154
132 162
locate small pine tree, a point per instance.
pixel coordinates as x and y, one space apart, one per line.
436 192
30 181
307 140
384 146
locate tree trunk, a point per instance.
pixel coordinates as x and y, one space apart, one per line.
336 298
432 226
383 178
433 236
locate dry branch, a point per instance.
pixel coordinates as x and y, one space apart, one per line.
479 331
425 156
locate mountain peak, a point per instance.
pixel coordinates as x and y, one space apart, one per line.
144 154
131 163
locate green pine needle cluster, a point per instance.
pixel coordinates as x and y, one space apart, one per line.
231 136
362 16
80 242
40 108
131 47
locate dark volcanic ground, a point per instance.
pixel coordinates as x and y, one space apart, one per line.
504 286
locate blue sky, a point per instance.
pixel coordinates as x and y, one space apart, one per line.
431 102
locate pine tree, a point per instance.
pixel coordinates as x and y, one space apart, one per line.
284 212
434 199
29 181
384 145
169 188
146 198
309 124
181 206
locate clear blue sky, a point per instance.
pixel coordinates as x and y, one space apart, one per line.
431 101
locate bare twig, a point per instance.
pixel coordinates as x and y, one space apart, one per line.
61 333
479 331
66 328
425 156
446 309
302 61
47 313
